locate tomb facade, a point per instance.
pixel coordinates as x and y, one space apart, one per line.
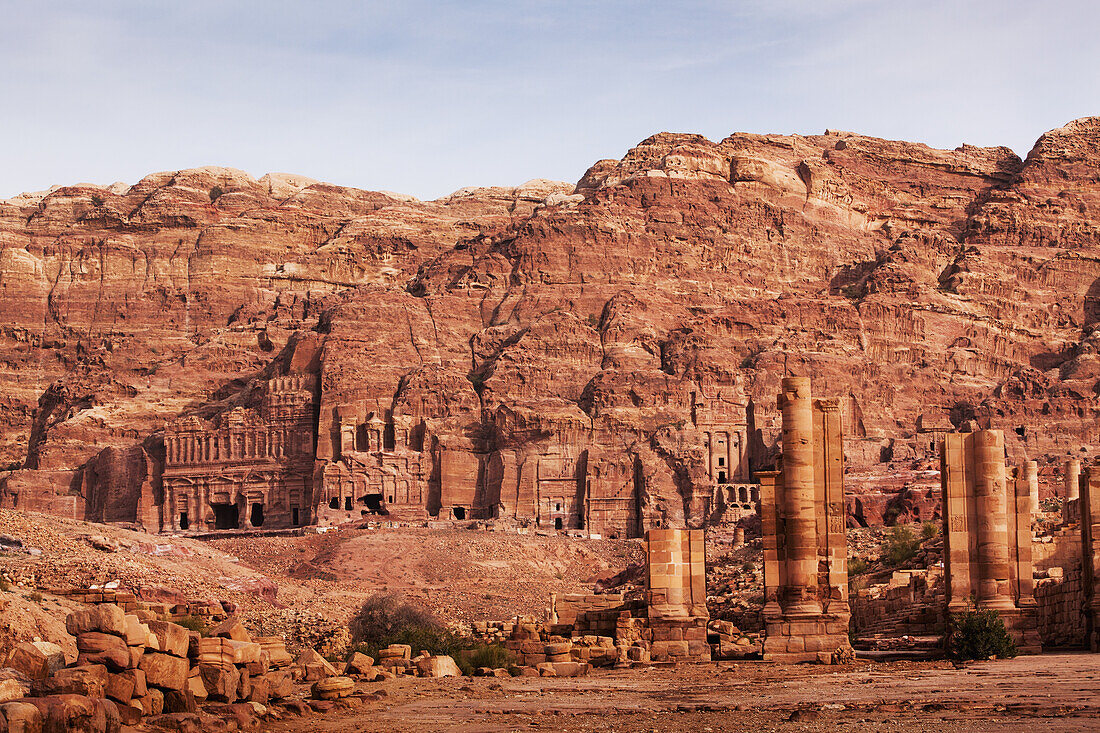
248 467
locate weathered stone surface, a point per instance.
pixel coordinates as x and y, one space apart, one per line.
332 688
13 685
438 666
358 663
231 628
164 670
220 682
515 335
29 661
90 680
22 717
98 648
105 618
171 638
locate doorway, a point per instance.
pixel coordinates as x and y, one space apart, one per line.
256 516
226 516
184 523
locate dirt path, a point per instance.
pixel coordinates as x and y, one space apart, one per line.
1048 693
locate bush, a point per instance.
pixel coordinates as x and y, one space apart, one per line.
193 623
385 618
36 597
97 200
928 530
215 193
901 545
857 566
979 635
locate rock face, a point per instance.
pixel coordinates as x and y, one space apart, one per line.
206 350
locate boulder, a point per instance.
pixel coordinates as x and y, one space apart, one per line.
259 690
438 666
332 688
55 655
152 703
137 633
279 684
276 650
171 638
358 663
231 628
106 618
243 652
29 661
164 670
180 701
13 685
76 714
220 682
22 717
314 666
120 687
96 647
89 680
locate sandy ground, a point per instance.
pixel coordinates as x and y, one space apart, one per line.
1058 692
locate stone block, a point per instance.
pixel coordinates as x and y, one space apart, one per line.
231 628
21 717
180 701
152 703
172 638
137 633
438 666
13 685
106 618
280 685
333 688
165 670
220 682
96 647
29 661
119 687
276 650
75 714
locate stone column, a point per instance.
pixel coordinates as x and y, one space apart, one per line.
1073 477
1031 477
953 472
775 565
994 587
800 520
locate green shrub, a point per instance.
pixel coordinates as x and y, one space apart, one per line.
485 655
748 566
215 193
928 530
193 623
901 545
857 566
979 635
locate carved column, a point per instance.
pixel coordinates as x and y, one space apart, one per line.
1090 553
800 521
994 588
954 471
1031 478
1073 477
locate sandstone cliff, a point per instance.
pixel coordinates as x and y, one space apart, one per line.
551 343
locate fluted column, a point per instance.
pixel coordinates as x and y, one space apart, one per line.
800 520
994 587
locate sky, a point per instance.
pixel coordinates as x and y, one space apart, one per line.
427 97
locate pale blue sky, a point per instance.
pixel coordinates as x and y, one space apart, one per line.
426 97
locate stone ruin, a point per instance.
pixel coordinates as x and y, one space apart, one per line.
806 609
987 532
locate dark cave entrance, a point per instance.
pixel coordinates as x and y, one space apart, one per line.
226 516
557 523
459 512
184 523
256 516
294 518
373 503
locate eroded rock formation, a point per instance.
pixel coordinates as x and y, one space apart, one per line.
603 355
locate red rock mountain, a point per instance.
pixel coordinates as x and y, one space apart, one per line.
564 355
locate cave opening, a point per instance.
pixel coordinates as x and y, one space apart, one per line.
557 523
184 523
459 512
256 516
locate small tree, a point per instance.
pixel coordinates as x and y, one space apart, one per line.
928 530
979 635
901 545
215 193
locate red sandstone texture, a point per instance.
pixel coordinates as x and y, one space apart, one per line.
557 352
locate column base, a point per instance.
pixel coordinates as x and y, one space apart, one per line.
807 637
